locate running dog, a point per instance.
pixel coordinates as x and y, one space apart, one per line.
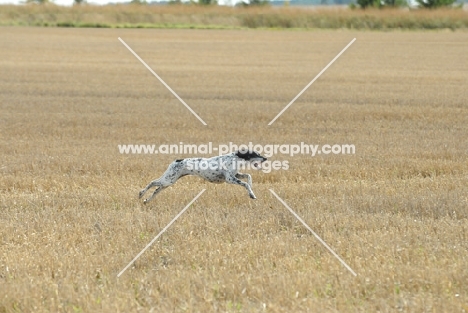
219 169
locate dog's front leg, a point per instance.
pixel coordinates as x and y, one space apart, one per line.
243 176
236 181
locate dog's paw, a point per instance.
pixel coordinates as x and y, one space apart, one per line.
253 196
145 201
140 194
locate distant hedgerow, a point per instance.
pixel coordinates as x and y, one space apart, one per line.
432 4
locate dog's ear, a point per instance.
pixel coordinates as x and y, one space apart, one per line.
245 155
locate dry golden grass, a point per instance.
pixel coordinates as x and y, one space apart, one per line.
396 211
193 16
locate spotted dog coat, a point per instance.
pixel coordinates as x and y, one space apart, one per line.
225 171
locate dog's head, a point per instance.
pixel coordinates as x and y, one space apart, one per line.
252 157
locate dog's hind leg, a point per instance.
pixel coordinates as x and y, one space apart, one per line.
172 174
236 181
158 190
161 183
154 183
243 176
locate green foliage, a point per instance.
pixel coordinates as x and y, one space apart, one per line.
368 3
432 4
66 24
38 1
395 3
381 3
140 16
207 2
258 3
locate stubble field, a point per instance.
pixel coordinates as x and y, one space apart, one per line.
396 211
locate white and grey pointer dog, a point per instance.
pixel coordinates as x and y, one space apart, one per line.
219 169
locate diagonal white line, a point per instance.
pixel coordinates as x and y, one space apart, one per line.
162 81
313 80
160 233
313 233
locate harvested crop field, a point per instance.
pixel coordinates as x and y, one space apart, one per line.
396 211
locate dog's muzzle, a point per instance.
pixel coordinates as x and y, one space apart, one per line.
258 164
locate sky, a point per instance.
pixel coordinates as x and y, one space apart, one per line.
62 2
70 2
